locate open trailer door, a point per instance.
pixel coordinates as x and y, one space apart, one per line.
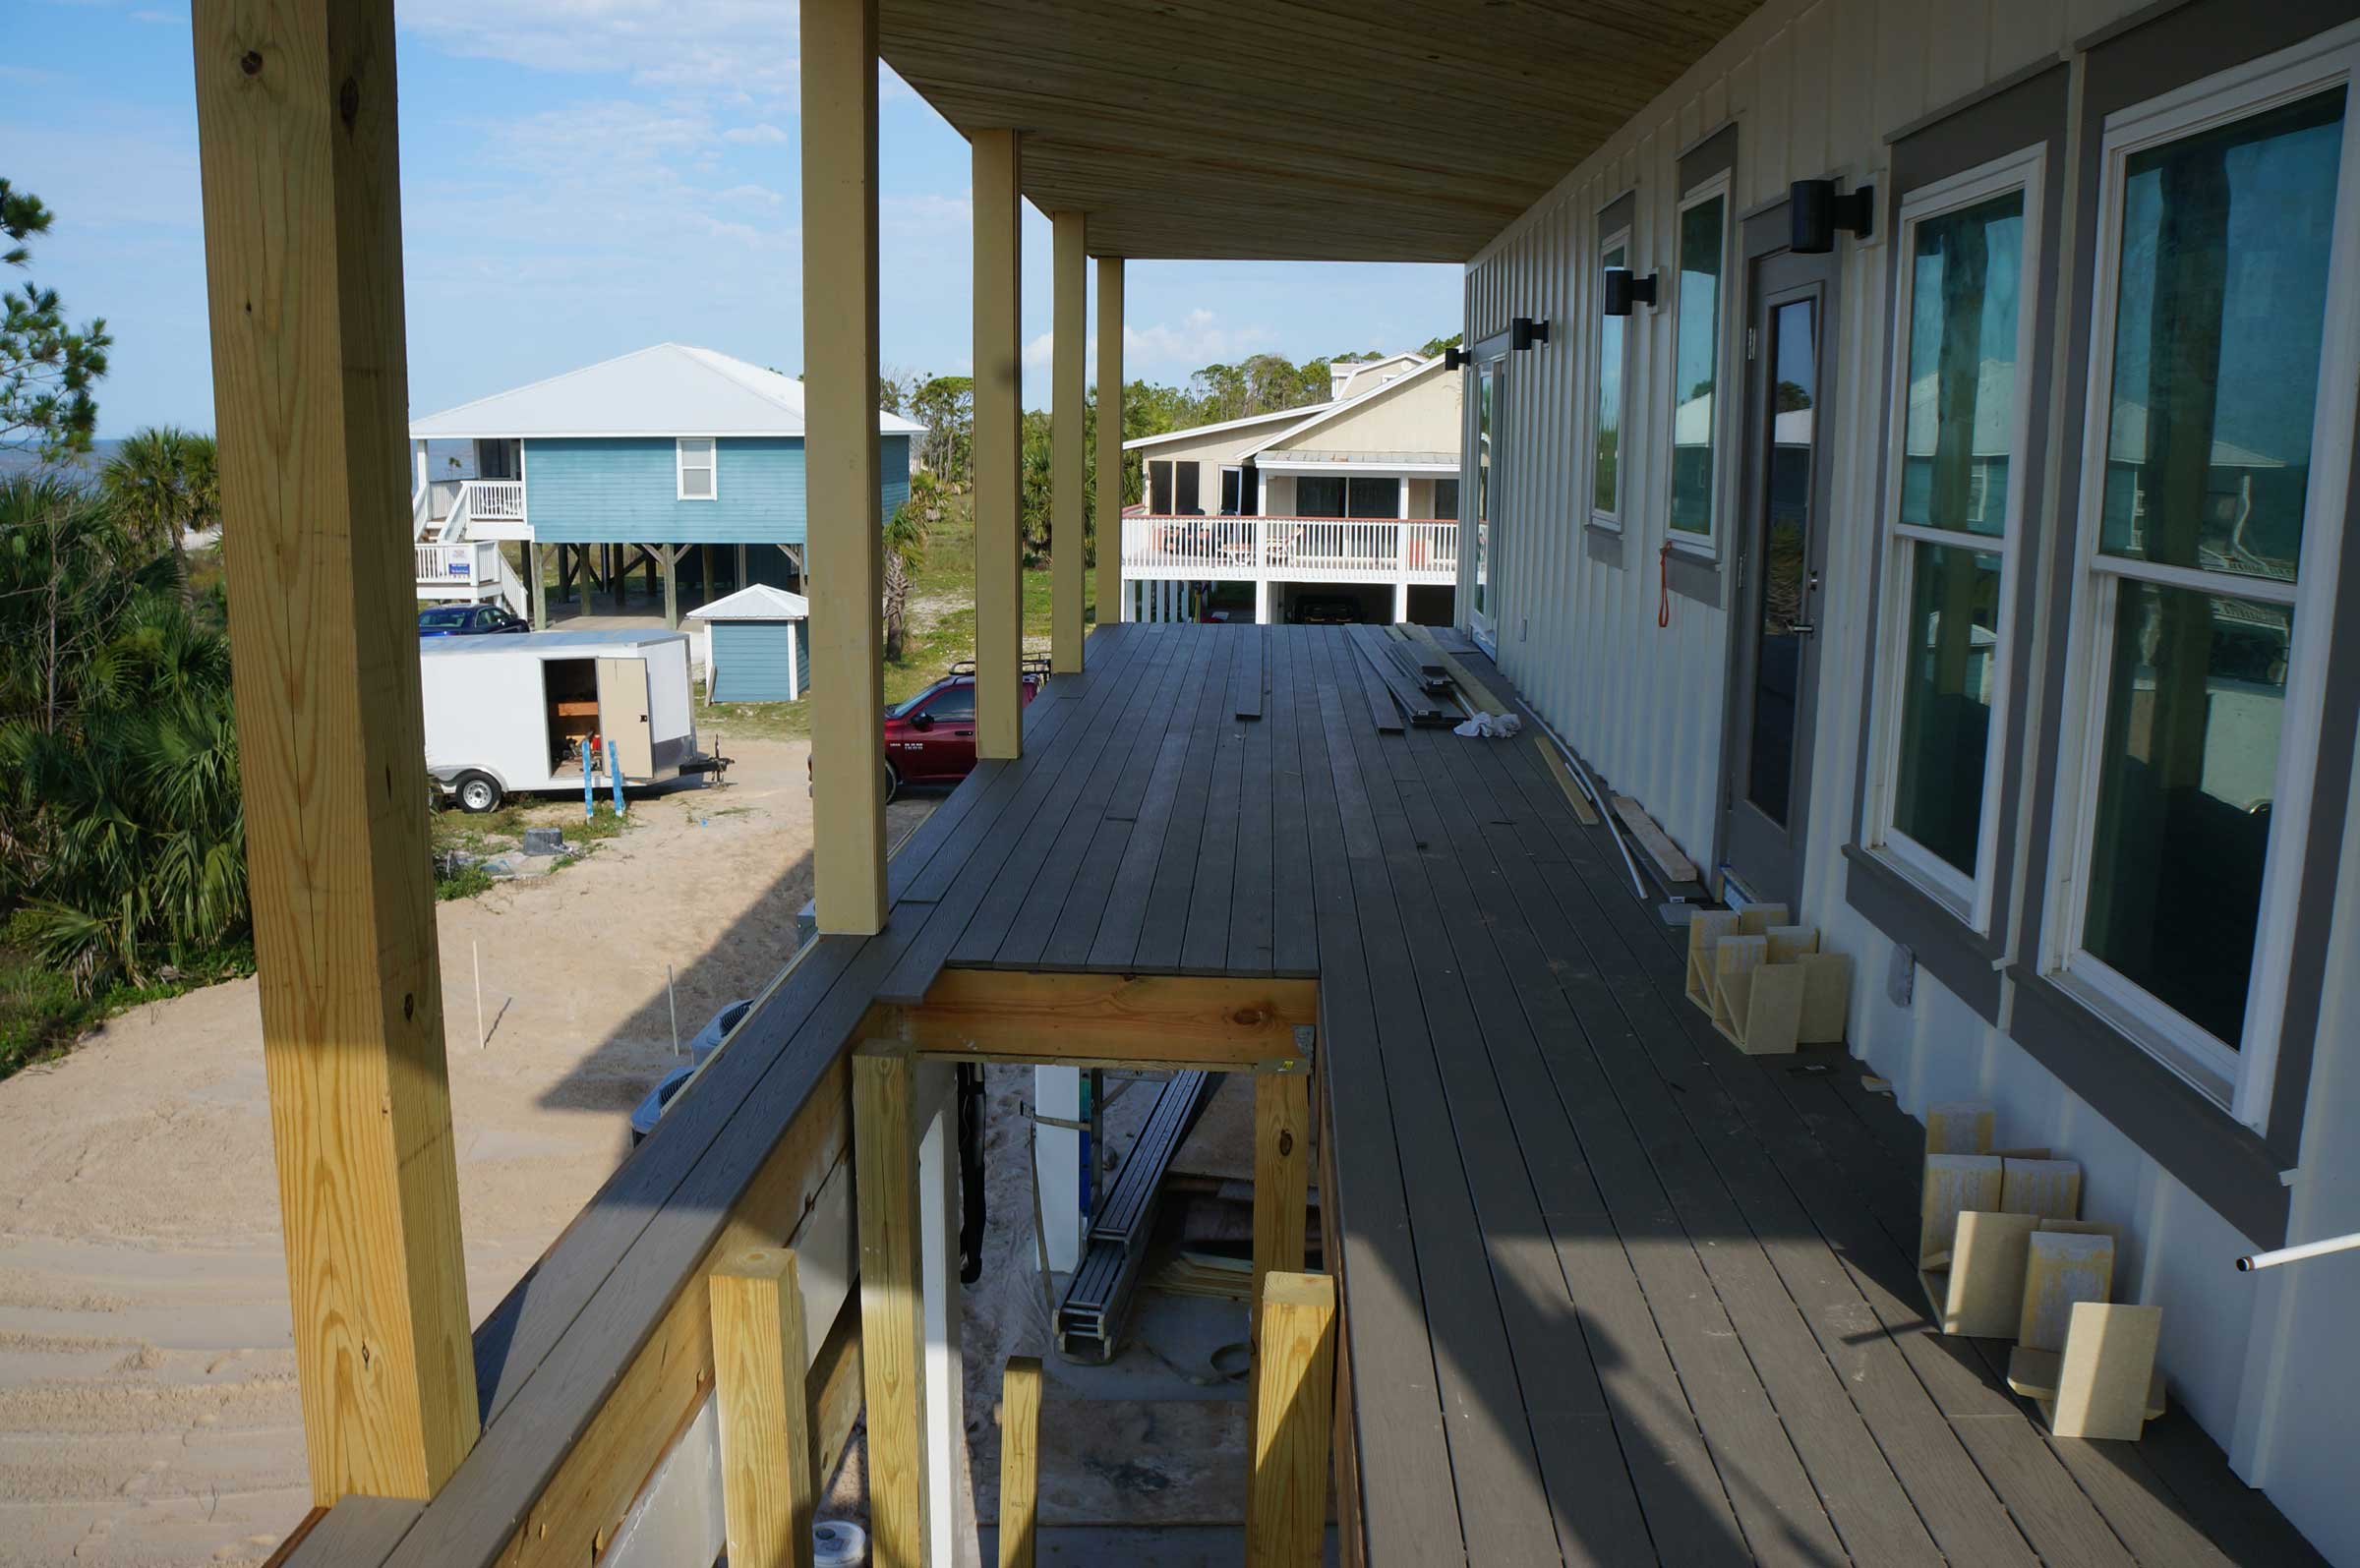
623 714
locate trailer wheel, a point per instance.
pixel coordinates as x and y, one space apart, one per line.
478 792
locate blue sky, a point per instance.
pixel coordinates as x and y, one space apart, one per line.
557 210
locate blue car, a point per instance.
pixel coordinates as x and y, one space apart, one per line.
701 1049
469 620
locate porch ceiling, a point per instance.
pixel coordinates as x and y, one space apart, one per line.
1316 130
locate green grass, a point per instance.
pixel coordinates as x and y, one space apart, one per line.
496 832
464 882
941 632
42 1015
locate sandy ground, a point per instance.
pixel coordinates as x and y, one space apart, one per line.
147 1403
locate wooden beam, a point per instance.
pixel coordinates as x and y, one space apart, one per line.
670 558
1281 1170
1020 1460
892 1310
1108 1020
1110 438
1069 510
839 43
998 451
303 269
1294 1386
760 1361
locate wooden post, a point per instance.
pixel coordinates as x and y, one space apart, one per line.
533 565
1069 513
669 556
1110 438
1019 1459
761 1356
303 271
740 580
1294 1404
998 454
892 1282
1282 1167
840 394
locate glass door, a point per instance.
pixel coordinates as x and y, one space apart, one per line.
1491 387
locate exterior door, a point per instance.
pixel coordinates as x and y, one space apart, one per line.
623 714
1780 555
1491 392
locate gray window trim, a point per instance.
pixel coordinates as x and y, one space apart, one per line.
1708 156
1604 544
1685 572
2219 1159
1604 541
2034 111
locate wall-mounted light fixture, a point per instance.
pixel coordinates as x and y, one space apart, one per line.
1816 212
1523 331
1622 291
1453 357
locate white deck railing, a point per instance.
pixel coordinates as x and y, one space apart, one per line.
463 565
496 499
1296 550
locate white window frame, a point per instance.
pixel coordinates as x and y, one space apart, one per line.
681 466
1707 545
2240 1080
1610 520
1969 898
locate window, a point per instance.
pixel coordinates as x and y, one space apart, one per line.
1445 500
698 466
1487 414
1319 495
1185 479
2211 514
1953 517
1233 492
1606 457
1703 227
1159 489
953 702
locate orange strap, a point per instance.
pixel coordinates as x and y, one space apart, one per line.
1663 589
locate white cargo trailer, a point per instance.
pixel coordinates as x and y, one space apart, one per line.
515 715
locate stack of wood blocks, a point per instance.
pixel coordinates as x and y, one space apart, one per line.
1765 983
2004 1255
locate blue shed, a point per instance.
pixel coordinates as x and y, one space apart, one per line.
757 645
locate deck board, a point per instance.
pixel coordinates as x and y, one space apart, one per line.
1611 1292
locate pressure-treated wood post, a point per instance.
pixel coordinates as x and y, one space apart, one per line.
295 112
1020 1460
1294 1410
1110 438
670 555
892 1310
1282 1167
998 453
1069 512
761 1354
540 585
847 586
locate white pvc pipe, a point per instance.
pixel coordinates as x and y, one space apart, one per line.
2295 1255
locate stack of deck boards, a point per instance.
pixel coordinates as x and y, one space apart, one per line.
1397 679
1764 982
2003 1254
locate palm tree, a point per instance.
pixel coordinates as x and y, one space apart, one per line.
163 484
906 534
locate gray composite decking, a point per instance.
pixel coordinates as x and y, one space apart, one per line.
1613 1292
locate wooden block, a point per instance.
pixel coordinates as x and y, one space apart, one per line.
761 1356
1826 998
2109 1363
2050 1188
2034 1375
1020 1460
1734 958
1773 1010
1574 796
1959 1127
1985 1295
1654 842
1756 919
1294 1410
1953 1183
2019 1154
2112 1233
2060 1269
1791 942
1706 928
893 1352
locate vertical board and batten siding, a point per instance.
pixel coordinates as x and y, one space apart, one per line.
1814 89
624 490
753 660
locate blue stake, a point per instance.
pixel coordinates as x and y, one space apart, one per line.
589 785
615 773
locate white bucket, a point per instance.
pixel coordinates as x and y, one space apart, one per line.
838 1544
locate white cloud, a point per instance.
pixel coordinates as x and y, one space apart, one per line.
1041 352
745 48
1197 340
763 135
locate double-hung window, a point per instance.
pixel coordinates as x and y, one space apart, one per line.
697 466
1953 516
2225 329
1606 447
1703 245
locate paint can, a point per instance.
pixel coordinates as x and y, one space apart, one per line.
838 1544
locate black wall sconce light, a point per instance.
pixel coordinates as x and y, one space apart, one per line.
1816 212
1523 331
1454 358
1622 291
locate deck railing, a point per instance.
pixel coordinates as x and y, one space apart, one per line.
1291 549
462 565
500 500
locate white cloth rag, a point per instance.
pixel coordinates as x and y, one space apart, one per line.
1492 726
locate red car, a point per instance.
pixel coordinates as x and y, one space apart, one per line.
931 738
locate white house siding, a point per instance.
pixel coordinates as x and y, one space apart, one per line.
2268 1364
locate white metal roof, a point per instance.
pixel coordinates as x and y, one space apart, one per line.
1195 432
546 644
756 602
669 389
1316 417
